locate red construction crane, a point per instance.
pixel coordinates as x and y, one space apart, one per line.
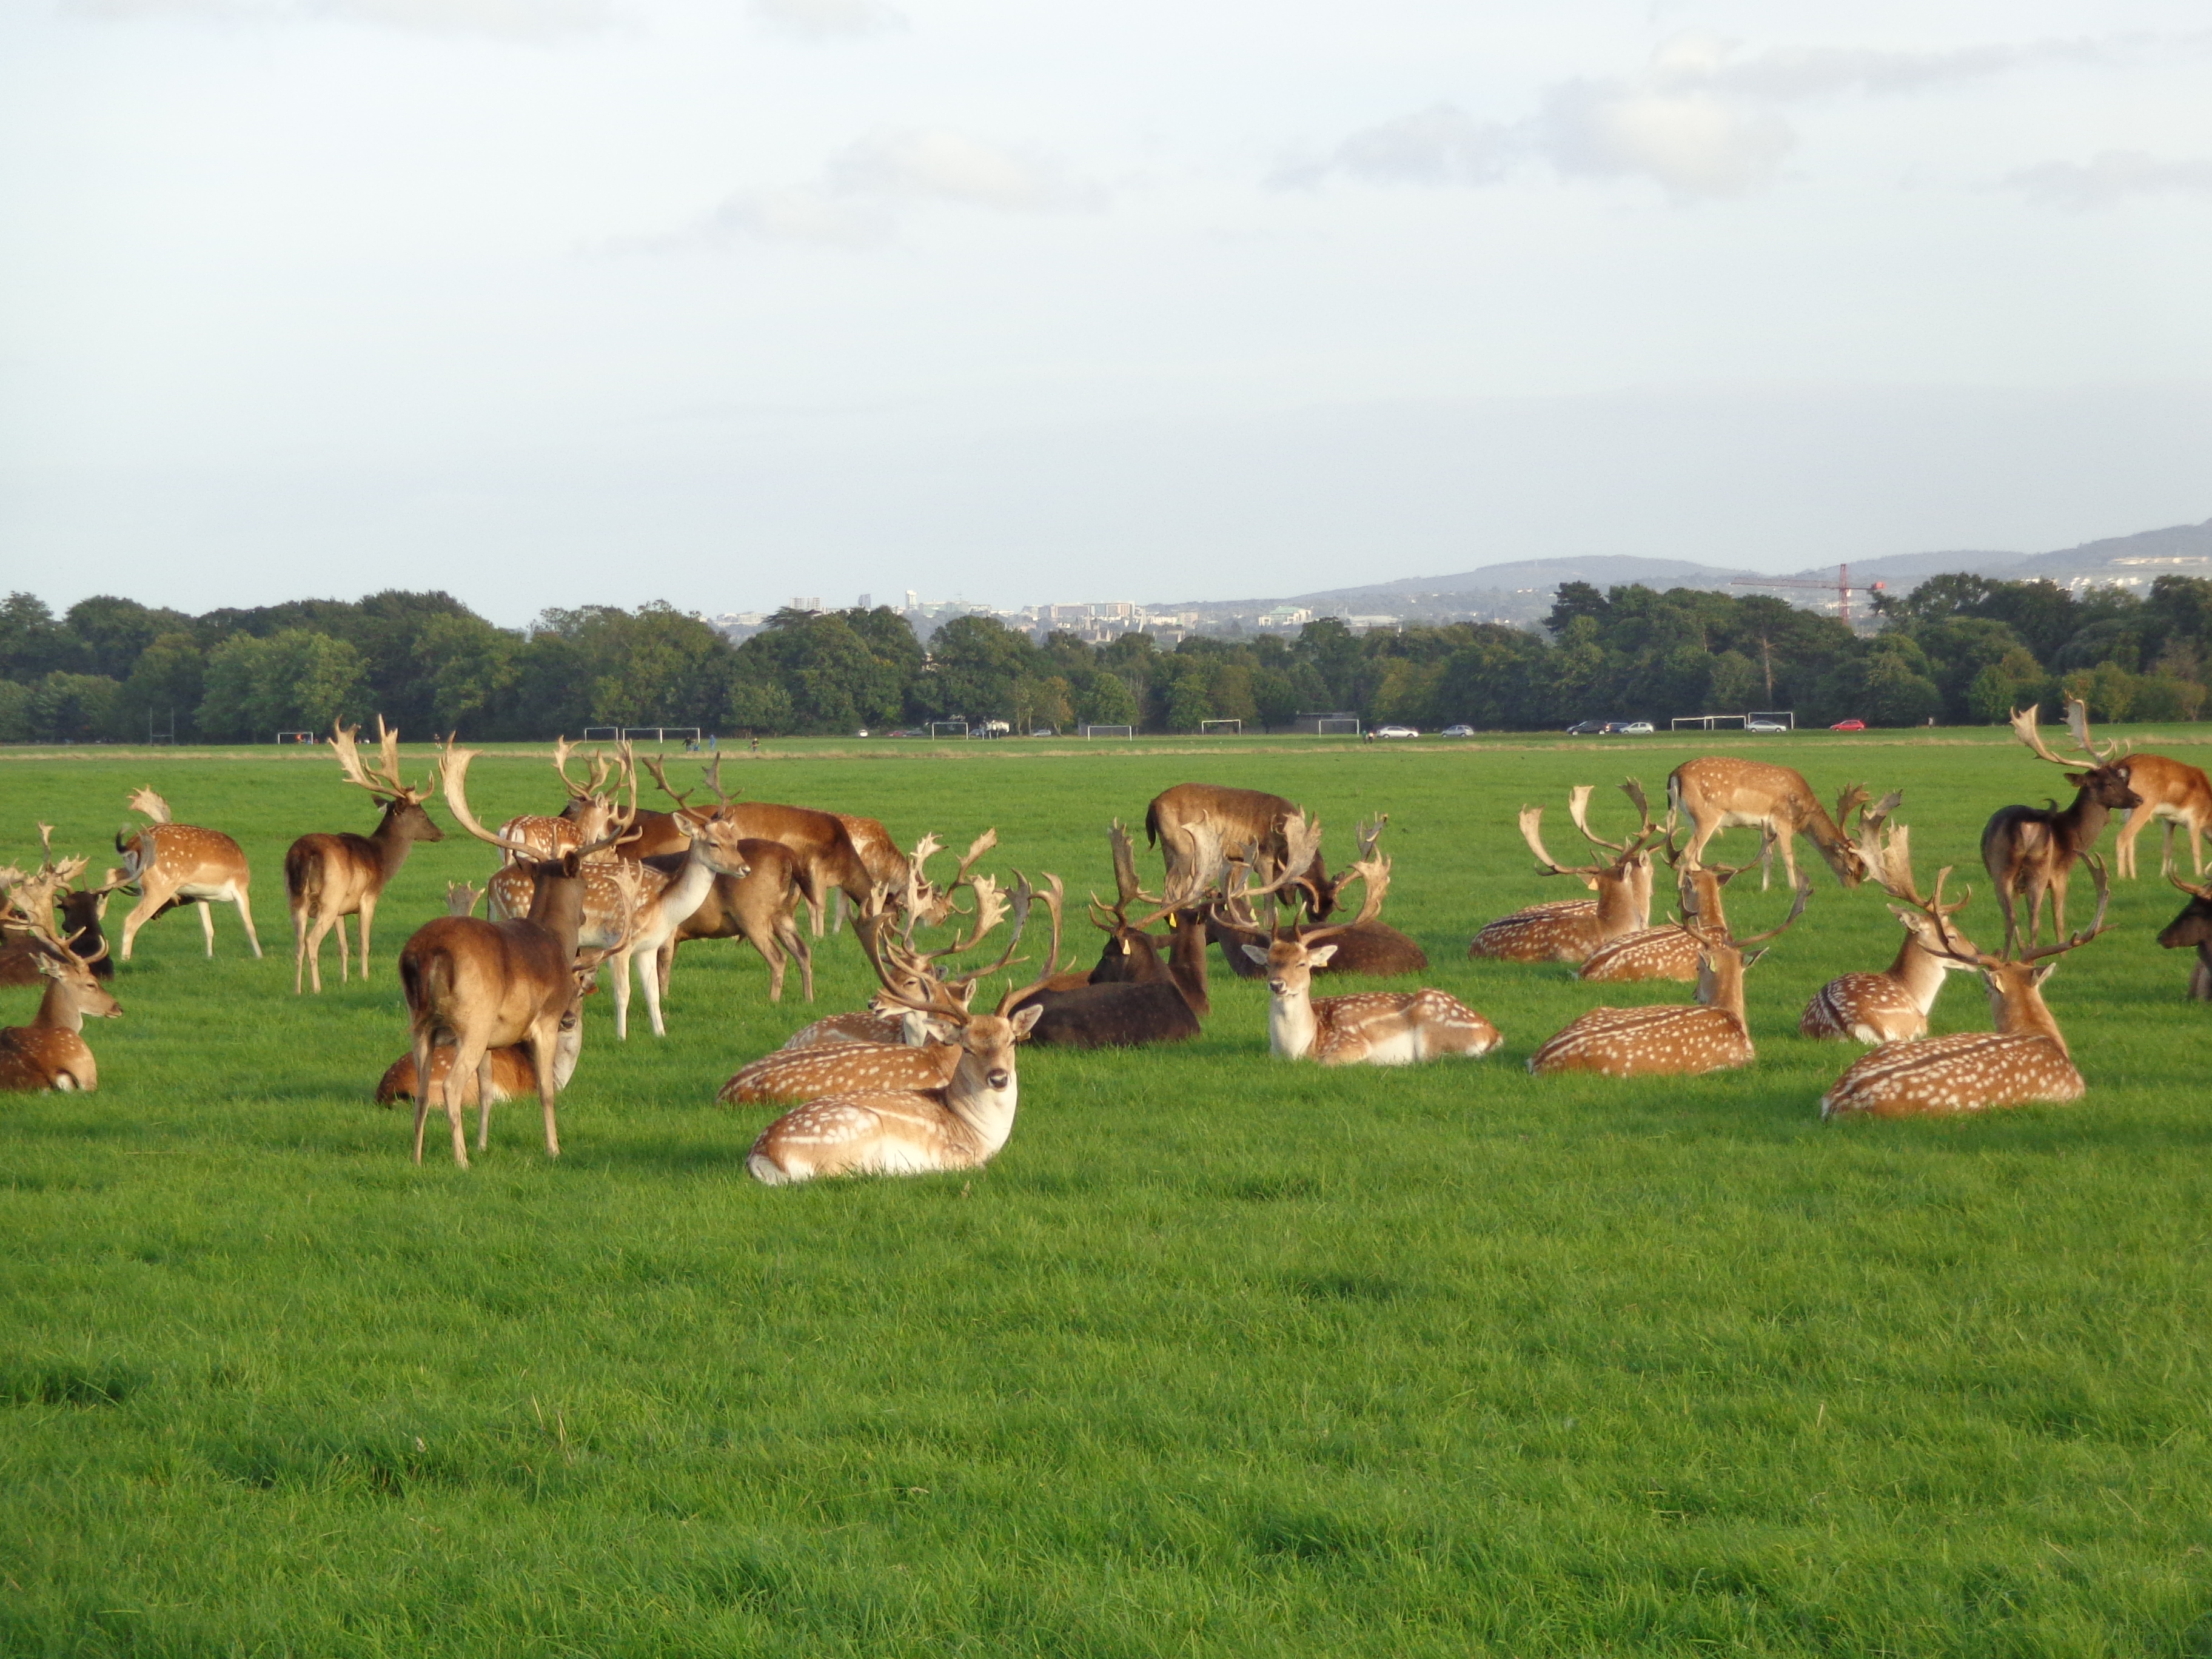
1843 587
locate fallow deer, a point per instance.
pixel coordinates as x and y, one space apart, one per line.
1239 818
1373 950
514 1074
2177 795
1893 1005
329 877
1570 930
1670 952
172 864
2025 1061
2193 926
540 836
49 1052
1367 1028
2030 851
478 986
1712 1034
82 909
961 1125
1719 791
757 907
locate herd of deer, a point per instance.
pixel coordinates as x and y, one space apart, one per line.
920 1079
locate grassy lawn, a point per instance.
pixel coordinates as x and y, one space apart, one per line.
1221 1356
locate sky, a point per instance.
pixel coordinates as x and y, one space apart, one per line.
554 302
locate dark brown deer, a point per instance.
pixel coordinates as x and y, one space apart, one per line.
82 909
329 877
1239 818
2030 851
2193 926
51 1053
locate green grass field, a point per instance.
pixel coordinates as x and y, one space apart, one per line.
1220 1356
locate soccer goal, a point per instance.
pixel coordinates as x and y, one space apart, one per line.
1707 722
1343 728
295 737
689 734
1221 728
1785 717
593 733
950 728
1109 730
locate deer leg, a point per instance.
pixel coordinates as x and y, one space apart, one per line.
300 951
2057 891
649 980
620 962
544 1037
2123 862
246 915
664 961
320 927
345 951
765 944
837 911
484 1102
367 911
207 924
2012 923
2200 977
799 948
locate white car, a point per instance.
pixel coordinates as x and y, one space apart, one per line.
1637 729
1395 731
1764 726
1456 731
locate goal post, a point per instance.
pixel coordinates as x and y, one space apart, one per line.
1229 728
594 733
690 734
955 728
1109 730
295 737
1341 728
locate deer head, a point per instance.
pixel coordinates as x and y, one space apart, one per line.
403 805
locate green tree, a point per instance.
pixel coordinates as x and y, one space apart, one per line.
976 661
294 680
163 693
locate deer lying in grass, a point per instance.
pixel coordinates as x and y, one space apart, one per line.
1893 1005
959 1125
1712 1034
1571 930
173 864
1372 949
2193 926
2025 1061
2030 851
1369 1028
1670 952
51 1053
328 878
82 909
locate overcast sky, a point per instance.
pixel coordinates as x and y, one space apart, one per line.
562 301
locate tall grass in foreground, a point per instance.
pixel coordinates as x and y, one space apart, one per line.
1220 1356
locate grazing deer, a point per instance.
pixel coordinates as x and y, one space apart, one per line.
2179 796
330 877
2193 926
1892 1005
478 986
1712 1034
2030 851
172 864
1570 930
1367 1028
82 909
49 1052
1239 818
1670 952
2025 1061
1719 791
961 1124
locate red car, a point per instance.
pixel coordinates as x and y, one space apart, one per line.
1848 726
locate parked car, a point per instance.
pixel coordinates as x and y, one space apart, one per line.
1456 731
1848 726
1587 728
906 731
1044 731
1395 731
1635 729
1764 726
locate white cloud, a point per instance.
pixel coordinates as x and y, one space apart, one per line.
1440 145
1695 142
921 164
519 19
2108 178
821 19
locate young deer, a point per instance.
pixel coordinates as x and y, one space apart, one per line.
1670 952
1719 791
1892 1005
2024 1062
329 877
1712 1034
49 1052
2193 926
2030 851
1571 930
172 864
1369 1028
960 1124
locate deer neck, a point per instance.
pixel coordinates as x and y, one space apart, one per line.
693 883
557 908
1918 971
1291 1024
58 1010
985 1113
1187 961
1720 983
2084 820
392 845
2017 1009
1618 911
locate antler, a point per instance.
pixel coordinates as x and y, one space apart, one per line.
2024 726
385 782
1198 883
2203 892
146 801
1373 872
453 774
1796 909
1578 807
652 765
1532 825
2077 722
1051 898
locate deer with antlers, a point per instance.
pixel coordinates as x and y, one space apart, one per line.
1719 791
1712 1034
1239 818
1570 930
538 835
513 1073
827 859
1372 949
171 864
2193 926
51 1053
1892 1005
2175 795
329 877
81 910
2024 1062
1670 952
961 1124
1366 1028
2030 851
478 986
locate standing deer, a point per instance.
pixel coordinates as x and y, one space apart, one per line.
1712 1034
1893 1005
82 909
478 986
542 837
1239 818
513 1073
172 864
2193 926
1369 1028
672 888
2030 851
2179 796
1570 930
330 877
961 1124
1719 791
2025 1061
49 1052
757 907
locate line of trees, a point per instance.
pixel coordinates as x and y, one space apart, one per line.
1957 650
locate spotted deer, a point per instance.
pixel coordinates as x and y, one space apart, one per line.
2030 851
1720 792
172 864
1372 949
51 1052
1670 952
21 954
1892 1005
1712 1034
960 1124
537 835
2024 1062
328 878
1571 930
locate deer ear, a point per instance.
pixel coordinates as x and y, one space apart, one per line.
1258 953
1319 955
1025 1019
2077 779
